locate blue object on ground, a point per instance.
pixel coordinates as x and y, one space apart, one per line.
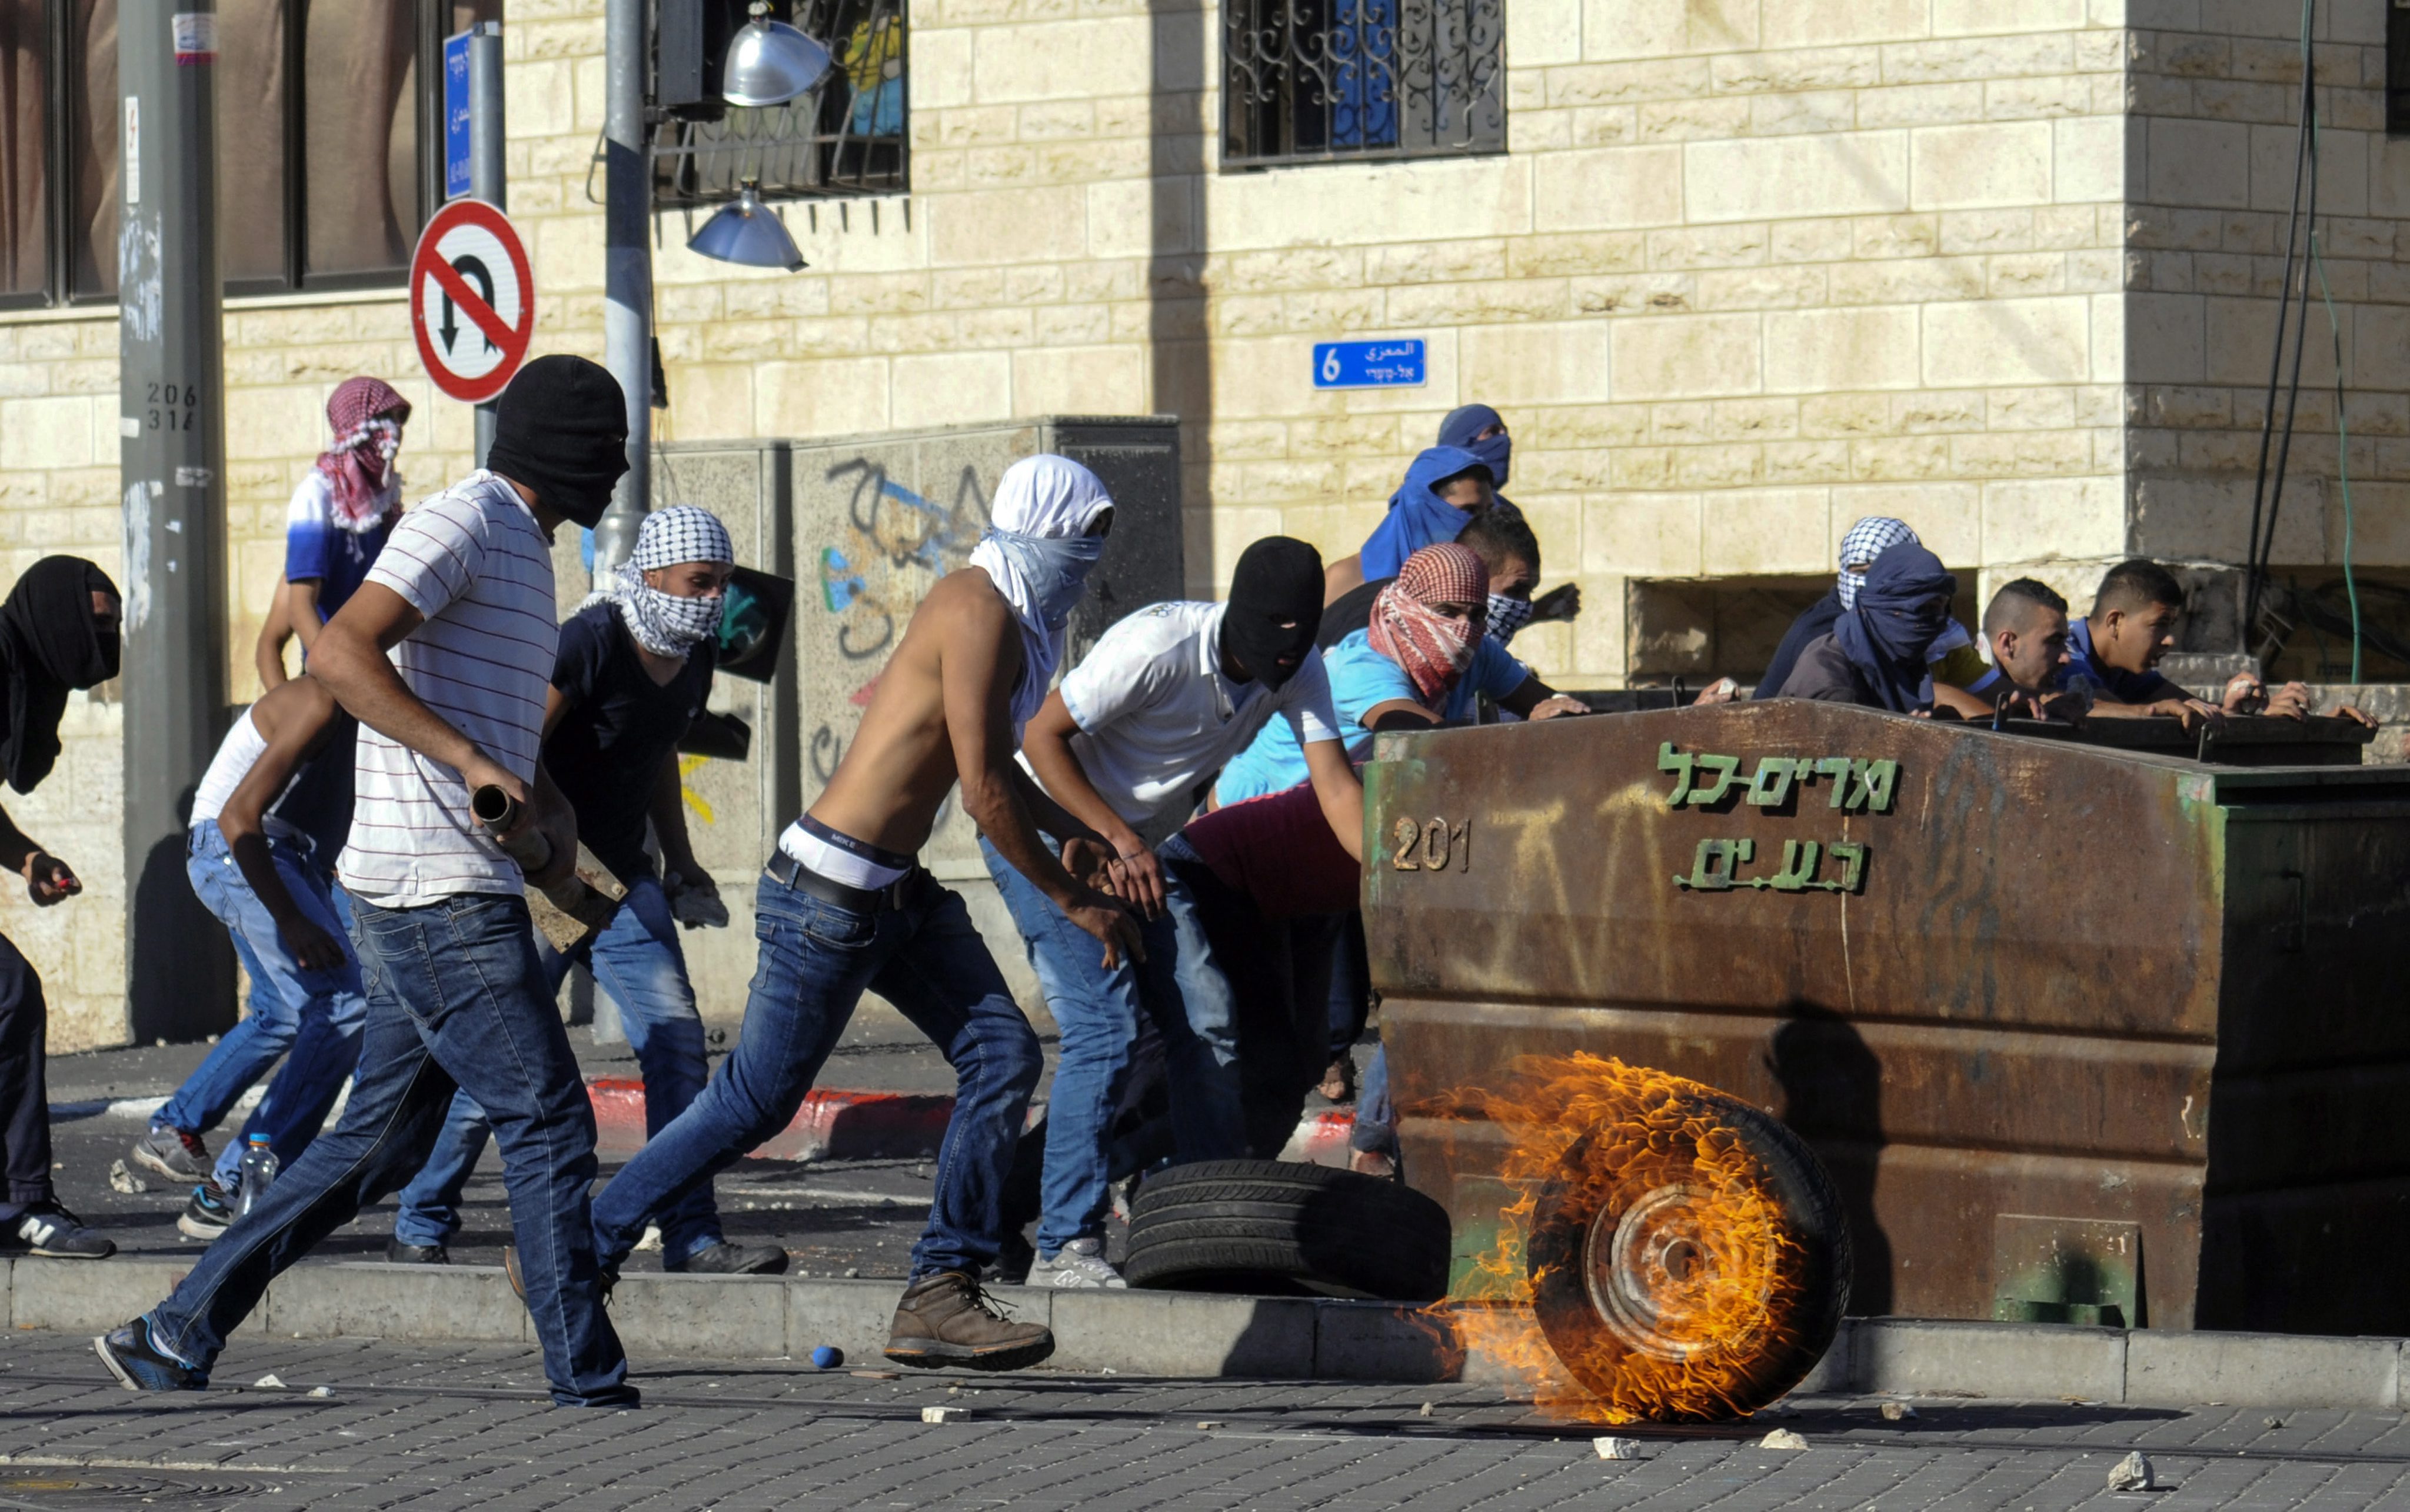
828 1356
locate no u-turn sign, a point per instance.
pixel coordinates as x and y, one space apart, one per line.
472 301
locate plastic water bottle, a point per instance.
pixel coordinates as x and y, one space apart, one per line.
258 1170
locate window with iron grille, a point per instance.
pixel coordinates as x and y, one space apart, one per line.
327 160
846 138
1309 81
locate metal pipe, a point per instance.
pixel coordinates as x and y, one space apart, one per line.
171 467
486 181
627 272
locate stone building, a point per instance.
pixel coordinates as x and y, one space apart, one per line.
1737 271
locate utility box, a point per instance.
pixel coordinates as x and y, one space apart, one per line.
2083 1033
865 524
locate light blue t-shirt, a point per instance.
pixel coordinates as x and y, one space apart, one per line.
1361 678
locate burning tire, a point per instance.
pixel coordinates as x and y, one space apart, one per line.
1279 1227
1689 1258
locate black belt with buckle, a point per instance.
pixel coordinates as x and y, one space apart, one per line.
788 872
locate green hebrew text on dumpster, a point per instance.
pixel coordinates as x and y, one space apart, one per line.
1718 864
1855 784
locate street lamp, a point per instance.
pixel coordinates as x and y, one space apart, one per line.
747 232
770 62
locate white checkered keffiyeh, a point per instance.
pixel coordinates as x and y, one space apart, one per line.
1867 540
665 623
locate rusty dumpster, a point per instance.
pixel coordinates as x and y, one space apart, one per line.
2083 1032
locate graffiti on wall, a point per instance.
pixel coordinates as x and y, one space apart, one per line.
890 547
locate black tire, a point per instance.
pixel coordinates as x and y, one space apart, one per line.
1691 1260
1281 1228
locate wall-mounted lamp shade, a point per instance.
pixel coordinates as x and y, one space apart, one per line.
770 62
747 232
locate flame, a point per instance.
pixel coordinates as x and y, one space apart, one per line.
1720 1264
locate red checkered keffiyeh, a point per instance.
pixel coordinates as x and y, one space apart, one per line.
366 416
1434 651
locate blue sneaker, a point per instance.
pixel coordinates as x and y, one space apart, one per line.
128 1353
207 1214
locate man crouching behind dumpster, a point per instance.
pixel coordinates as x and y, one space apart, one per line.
846 907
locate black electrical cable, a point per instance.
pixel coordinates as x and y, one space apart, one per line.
2252 568
2267 546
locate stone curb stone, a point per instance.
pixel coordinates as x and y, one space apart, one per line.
87 1296
2261 1369
730 1318
1195 1335
1167 1333
471 1304
1996 1359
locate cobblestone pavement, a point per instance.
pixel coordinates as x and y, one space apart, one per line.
427 1428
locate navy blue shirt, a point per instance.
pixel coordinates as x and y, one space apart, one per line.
2124 687
607 751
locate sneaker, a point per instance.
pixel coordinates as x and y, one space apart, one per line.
50 1230
398 1253
946 1319
1080 1263
210 1213
174 1154
138 1366
733 1260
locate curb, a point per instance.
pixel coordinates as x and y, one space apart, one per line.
1195 1335
833 1123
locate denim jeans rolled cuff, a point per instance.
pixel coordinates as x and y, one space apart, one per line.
815 960
456 999
283 996
1376 1130
636 958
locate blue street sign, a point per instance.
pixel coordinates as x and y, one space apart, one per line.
1391 364
456 116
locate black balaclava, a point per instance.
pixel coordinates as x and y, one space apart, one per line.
1278 581
50 642
561 429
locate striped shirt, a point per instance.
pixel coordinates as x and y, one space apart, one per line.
471 561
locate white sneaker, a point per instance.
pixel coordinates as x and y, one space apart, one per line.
1080 1263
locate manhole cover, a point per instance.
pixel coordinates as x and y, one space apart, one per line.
74 1486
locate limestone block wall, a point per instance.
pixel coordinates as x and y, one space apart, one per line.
2216 91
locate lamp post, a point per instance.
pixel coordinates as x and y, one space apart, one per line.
627 272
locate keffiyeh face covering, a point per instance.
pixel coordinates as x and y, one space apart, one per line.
1507 616
665 623
1433 650
366 416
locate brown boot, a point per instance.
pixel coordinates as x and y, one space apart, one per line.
946 1319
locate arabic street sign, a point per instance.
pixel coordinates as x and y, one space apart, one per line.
472 301
456 116
1391 364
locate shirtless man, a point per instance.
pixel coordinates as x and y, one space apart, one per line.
844 906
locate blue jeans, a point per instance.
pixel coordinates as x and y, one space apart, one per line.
315 1015
637 960
456 999
816 959
1095 1013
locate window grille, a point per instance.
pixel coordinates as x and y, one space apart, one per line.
847 137
1309 81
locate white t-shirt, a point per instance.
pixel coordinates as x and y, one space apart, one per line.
471 561
1158 718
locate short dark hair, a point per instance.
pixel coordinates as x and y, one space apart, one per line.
1478 470
2135 581
2018 595
1497 535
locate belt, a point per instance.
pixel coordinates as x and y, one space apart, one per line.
788 872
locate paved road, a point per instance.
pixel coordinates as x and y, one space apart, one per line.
420 1426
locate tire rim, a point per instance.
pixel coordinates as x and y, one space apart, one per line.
1658 1275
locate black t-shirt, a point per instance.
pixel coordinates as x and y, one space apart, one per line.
606 753
318 800
1348 613
1826 673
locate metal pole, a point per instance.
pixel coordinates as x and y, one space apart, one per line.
485 181
172 459
627 272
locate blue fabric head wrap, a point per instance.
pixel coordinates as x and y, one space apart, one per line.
1903 607
1463 424
1417 517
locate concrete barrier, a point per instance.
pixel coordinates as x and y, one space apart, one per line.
1196 1335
